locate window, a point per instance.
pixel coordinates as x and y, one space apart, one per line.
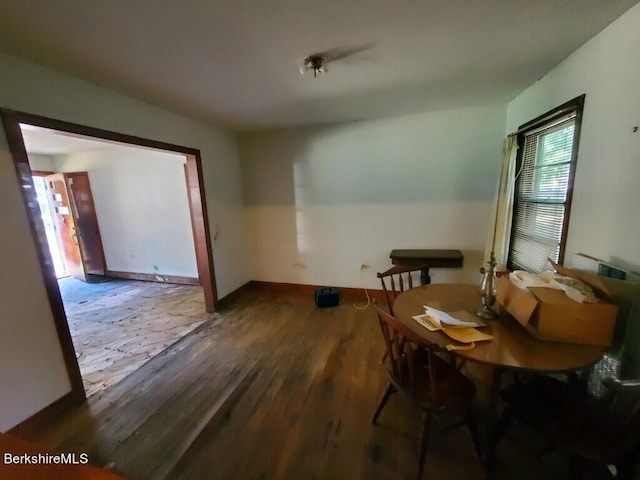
546 162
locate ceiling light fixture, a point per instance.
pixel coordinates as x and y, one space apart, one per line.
314 63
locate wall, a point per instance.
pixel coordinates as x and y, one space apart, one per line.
142 206
323 200
32 373
44 163
604 219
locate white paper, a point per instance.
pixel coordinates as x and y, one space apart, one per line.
426 322
441 317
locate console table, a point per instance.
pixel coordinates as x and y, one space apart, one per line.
430 258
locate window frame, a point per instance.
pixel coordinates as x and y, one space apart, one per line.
576 106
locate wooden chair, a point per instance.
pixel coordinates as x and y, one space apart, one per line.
432 383
396 280
591 430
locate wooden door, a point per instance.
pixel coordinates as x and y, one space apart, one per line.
56 185
86 221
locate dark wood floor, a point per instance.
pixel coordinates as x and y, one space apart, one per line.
274 388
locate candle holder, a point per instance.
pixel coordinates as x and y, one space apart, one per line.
488 290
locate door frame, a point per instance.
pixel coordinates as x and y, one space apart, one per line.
11 120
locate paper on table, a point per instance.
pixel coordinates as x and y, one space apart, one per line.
461 334
450 320
427 322
453 325
466 335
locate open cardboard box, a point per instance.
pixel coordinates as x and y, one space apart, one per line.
548 314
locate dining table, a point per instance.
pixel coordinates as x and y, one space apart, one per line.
512 348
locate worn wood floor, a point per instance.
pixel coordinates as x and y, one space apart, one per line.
274 388
119 325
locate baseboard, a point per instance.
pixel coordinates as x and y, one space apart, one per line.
227 300
45 416
309 289
295 288
154 277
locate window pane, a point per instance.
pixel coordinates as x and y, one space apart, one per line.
546 184
537 235
556 146
541 196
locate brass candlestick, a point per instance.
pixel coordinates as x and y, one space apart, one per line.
488 290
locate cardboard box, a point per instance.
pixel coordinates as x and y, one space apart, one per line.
548 314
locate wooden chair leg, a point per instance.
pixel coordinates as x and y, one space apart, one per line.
422 445
501 426
494 435
383 400
473 429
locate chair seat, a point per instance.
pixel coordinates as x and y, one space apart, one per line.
452 386
576 422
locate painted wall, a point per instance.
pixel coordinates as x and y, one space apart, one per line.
44 163
32 373
321 201
142 206
604 215
604 218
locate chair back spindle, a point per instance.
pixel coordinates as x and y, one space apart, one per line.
396 280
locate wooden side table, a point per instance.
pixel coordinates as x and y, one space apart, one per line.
430 258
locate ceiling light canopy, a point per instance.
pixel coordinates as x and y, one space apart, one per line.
315 63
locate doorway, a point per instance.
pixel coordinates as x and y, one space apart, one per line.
74 217
13 121
118 325
48 220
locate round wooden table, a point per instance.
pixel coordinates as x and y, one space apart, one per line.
512 347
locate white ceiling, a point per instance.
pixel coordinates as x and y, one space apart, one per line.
235 62
52 142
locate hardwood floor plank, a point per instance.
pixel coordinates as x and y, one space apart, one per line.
168 435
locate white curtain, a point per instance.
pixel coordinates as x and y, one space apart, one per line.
502 211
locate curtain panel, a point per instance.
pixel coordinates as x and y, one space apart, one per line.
502 211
